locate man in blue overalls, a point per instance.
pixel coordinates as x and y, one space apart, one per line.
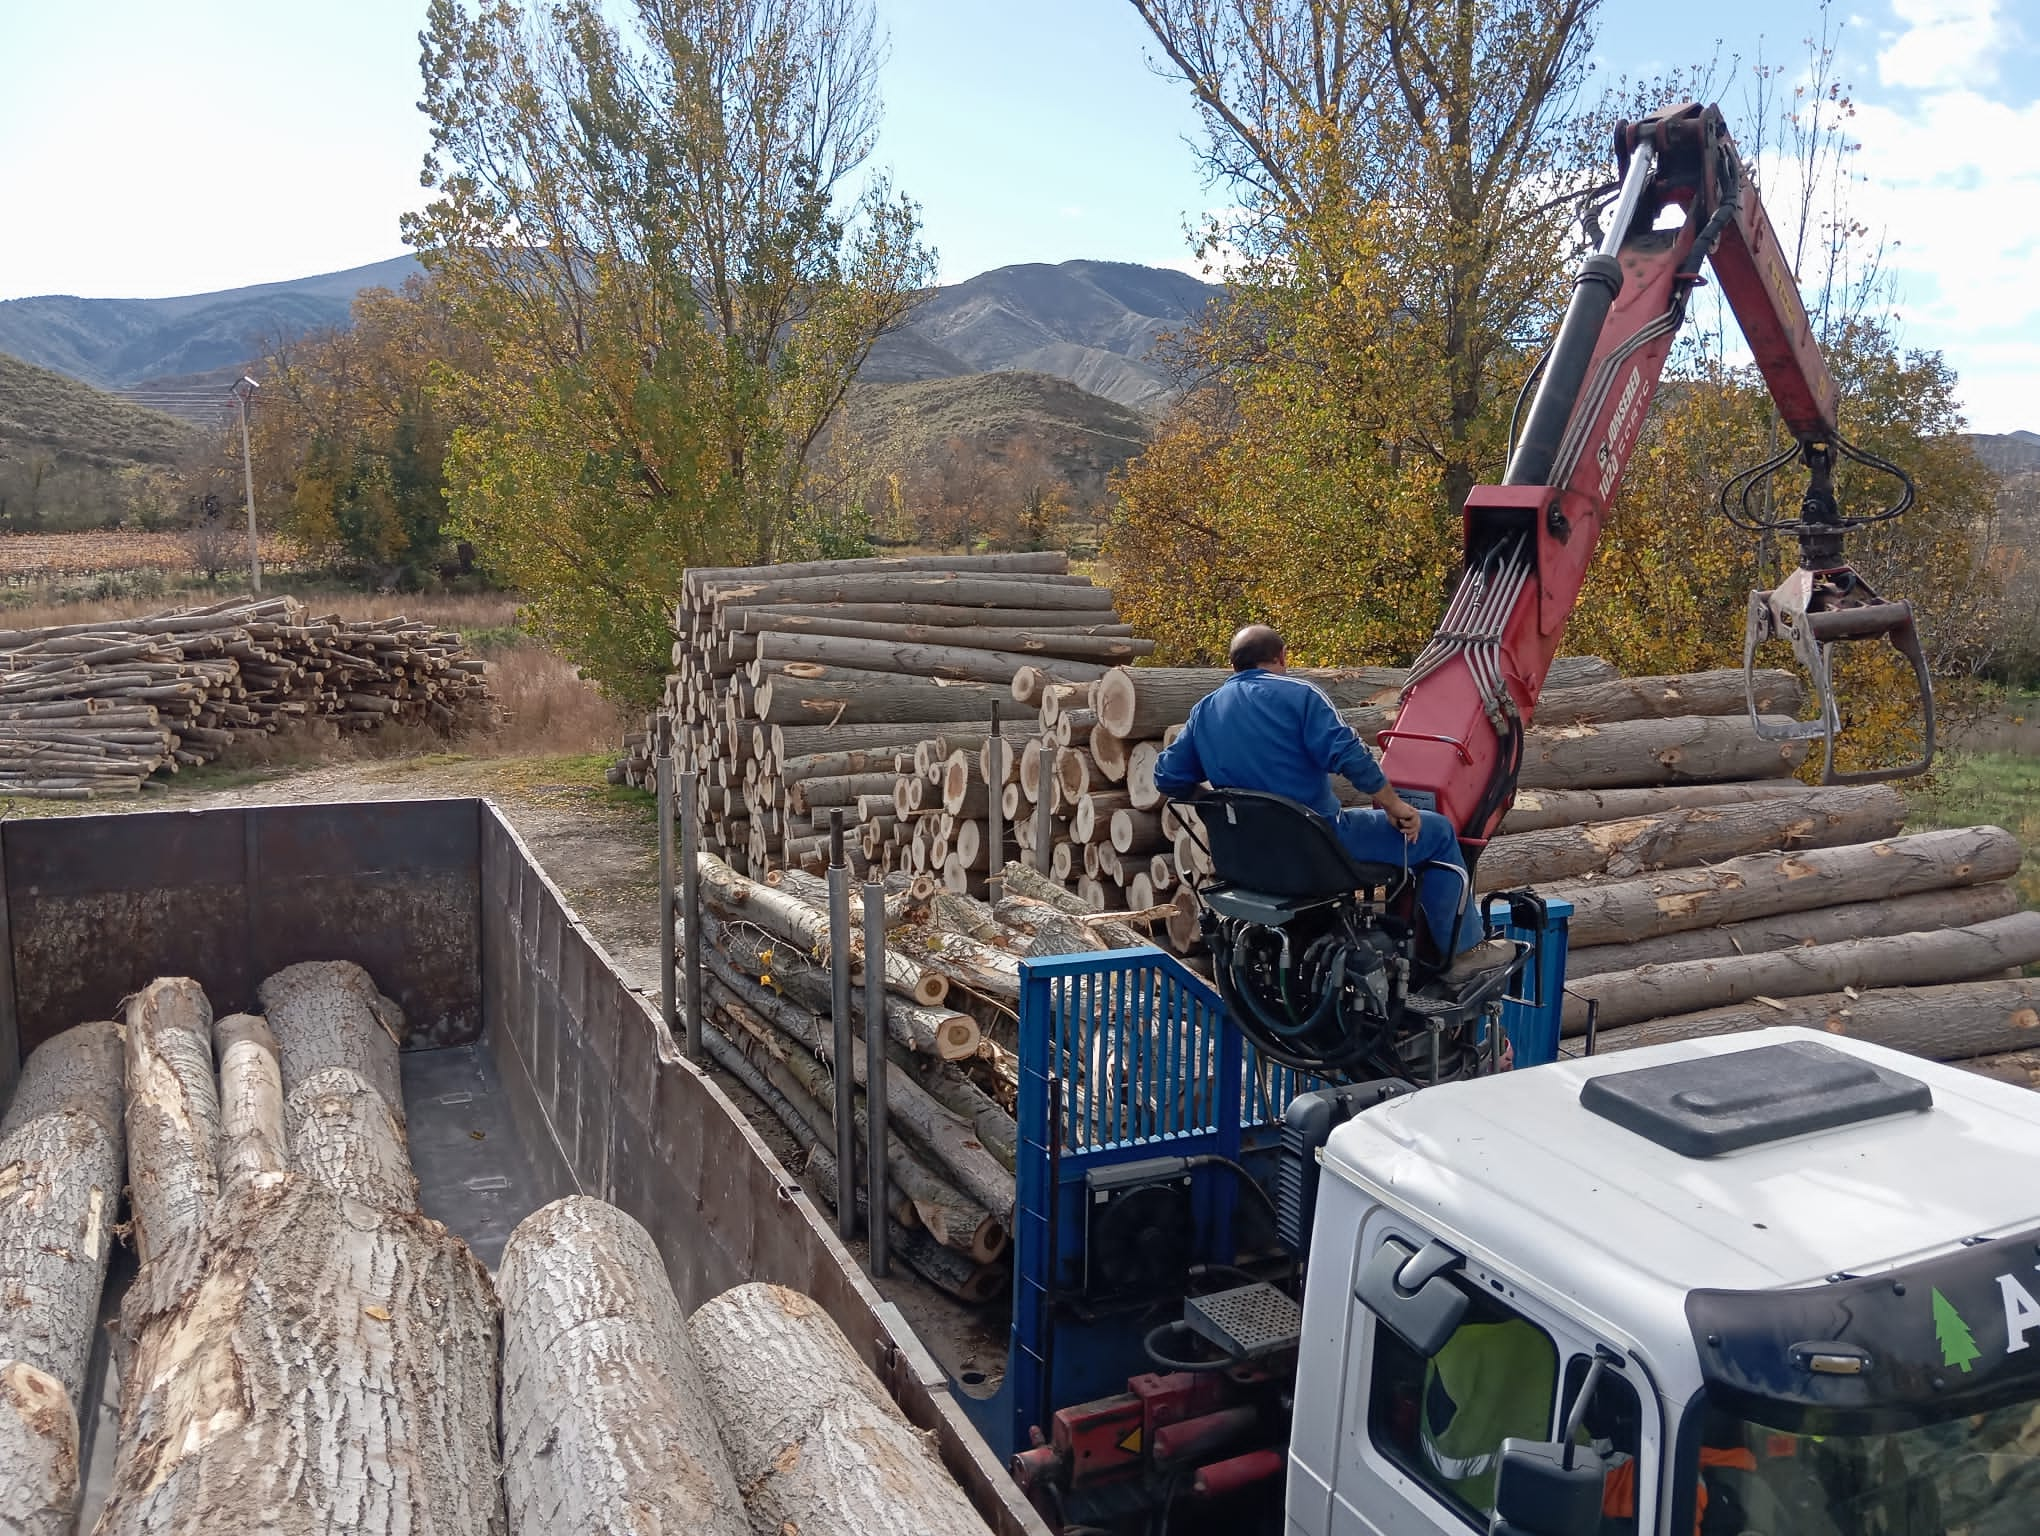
1264 730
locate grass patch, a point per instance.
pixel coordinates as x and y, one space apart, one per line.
2000 789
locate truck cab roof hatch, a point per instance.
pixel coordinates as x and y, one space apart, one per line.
1710 1105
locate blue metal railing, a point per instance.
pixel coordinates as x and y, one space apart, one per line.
1123 1055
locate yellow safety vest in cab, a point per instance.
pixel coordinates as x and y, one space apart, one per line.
1491 1382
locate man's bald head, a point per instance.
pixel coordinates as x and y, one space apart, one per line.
1258 645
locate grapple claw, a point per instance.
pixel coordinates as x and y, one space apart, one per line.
1814 611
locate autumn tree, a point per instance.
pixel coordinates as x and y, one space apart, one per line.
656 229
351 434
1406 178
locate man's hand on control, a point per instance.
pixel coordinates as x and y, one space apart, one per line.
1405 817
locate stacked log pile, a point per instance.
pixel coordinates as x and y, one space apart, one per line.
953 989
97 709
299 1341
798 689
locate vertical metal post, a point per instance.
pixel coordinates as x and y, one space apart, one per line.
690 902
248 482
876 1150
839 980
995 814
669 1000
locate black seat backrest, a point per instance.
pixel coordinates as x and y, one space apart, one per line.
1278 847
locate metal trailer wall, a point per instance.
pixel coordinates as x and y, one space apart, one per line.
443 904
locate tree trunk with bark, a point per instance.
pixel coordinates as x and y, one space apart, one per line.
343 1135
308 1365
252 1141
173 1113
870 699
1535 810
961 590
948 1271
1829 818
818 1447
790 741
1090 643
329 1013
794 920
1765 885
60 1178
39 1472
1662 698
606 1421
1692 749
1950 1023
960 663
1909 959
79 1070
1925 913
2020 1068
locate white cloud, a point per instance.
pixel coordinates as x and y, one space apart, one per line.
1944 44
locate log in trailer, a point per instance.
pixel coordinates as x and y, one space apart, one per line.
530 1068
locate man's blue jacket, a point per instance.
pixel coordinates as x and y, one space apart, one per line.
1273 733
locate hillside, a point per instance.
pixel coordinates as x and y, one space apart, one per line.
40 409
118 343
1085 436
1093 323
2009 453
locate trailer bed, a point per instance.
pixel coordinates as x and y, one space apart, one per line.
532 1069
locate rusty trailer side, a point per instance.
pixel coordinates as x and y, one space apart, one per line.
532 1070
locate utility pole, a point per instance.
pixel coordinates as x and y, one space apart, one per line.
242 392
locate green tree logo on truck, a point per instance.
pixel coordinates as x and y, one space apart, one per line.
1958 1345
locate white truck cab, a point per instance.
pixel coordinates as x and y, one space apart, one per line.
1809 1268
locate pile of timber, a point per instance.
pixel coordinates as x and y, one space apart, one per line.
300 1343
800 689
952 977
97 709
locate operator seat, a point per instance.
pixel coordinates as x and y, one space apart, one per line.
1275 857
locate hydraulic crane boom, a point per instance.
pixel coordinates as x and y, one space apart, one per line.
1459 738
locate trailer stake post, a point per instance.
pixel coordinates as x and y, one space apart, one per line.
669 1003
876 1150
995 826
690 903
843 1065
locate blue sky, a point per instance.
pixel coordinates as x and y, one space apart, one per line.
150 148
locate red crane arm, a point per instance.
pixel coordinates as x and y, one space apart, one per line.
1457 742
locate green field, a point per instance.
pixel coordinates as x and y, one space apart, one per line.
1986 789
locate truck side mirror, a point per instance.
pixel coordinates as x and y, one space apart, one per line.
1544 1488
1413 1293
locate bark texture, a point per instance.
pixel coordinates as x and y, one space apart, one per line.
1907 959
1923 913
1694 749
1977 1018
78 1070
343 1136
1536 809
1767 884
173 1113
1828 818
819 1449
328 1013
252 1144
309 1367
607 1429
59 1194
1662 698
38 1453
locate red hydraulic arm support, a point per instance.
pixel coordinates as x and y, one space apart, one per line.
1458 739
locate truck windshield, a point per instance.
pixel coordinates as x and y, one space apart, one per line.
1973 1475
